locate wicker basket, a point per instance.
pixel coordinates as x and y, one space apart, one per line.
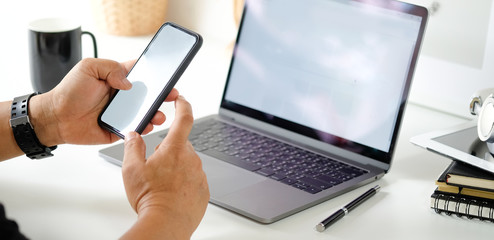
238 8
130 17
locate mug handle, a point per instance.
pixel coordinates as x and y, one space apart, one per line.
94 43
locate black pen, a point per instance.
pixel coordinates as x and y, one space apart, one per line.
347 208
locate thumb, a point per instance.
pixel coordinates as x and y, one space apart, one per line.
123 84
134 150
112 72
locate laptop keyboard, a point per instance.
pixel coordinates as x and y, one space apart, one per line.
282 162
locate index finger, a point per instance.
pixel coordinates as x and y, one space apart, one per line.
182 124
172 95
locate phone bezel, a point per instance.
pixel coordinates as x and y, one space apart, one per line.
166 89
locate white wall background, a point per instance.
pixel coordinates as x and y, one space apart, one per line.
458 54
444 79
212 18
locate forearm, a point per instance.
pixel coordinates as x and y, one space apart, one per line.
158 225
41 119
8 145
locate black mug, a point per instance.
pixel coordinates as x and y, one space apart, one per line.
54 48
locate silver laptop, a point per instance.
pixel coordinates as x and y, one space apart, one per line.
459 142
312 105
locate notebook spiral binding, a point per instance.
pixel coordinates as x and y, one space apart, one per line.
461 205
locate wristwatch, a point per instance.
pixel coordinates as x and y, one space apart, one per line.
24 133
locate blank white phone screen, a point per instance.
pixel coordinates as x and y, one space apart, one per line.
149 76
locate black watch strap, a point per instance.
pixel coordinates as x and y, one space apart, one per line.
24 133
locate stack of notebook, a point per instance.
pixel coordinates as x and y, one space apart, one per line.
465 191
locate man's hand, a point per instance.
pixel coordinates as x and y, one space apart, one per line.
69 112
169 190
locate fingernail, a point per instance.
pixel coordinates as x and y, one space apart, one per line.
127 83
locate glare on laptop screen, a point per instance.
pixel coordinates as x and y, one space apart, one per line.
339 67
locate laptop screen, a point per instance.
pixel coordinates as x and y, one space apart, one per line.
335 70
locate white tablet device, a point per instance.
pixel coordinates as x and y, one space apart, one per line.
460 142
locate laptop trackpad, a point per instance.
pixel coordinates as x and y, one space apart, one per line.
225 178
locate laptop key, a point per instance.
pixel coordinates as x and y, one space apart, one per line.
265 171
329 179
199 147
353 171
278 176
315 183
289 181
300 186
312 190
306 187
232 159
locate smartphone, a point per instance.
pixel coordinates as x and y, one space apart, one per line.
153 77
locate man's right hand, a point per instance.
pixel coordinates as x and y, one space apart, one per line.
169 190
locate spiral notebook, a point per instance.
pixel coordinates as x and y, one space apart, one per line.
463 205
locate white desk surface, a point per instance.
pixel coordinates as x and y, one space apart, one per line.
78 195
